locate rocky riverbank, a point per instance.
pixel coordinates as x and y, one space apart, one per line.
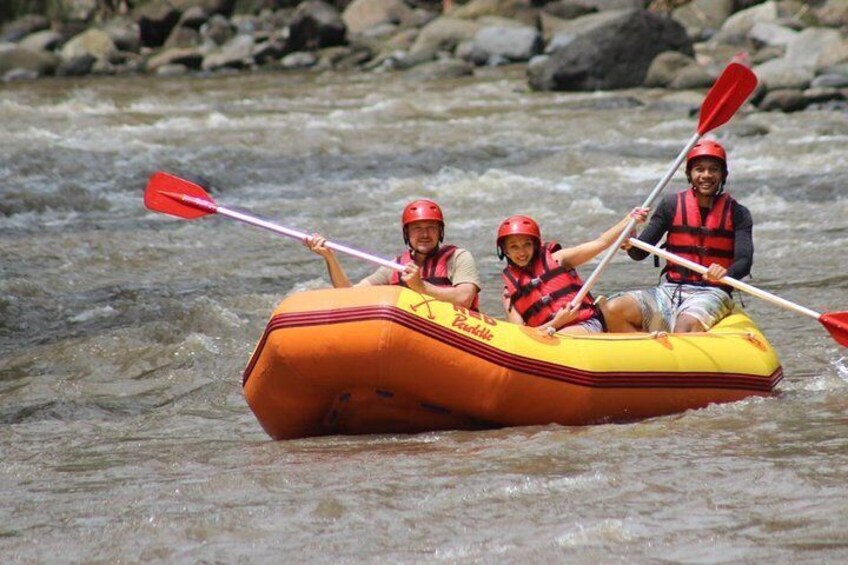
799 50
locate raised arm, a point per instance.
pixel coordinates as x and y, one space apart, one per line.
579 254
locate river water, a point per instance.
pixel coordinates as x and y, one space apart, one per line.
124 436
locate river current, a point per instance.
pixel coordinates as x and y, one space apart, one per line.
124 436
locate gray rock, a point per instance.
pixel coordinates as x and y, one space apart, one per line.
444 34
361 15
190 58
299 60
156 19
767 54
21 27
194 17
692 77
817 48
665 67
616 54
46 40
15 57
568 9
93 42
767 33
822 94
78 65
513 44
784 100
172 70
442 69
124 33
781 73
833 80
217 30
833 13
702 18
20 75
315 25
235 54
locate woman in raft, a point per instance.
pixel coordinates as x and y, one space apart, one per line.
540 280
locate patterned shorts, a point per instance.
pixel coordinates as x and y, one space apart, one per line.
592 325
662 305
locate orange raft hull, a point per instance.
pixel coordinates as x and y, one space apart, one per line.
389 360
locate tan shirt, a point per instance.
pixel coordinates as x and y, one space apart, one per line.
461 269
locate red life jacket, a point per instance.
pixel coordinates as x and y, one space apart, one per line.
434 270
703 243
540 289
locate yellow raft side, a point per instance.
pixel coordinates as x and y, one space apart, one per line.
387 359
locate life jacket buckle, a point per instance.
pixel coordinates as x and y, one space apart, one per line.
536 282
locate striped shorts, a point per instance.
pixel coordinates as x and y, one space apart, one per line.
661 305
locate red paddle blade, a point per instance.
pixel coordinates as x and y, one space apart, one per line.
727 94
178 197
837 324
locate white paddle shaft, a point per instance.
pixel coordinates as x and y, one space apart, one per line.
593 278
294 234
776 300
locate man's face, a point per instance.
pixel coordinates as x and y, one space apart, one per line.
424 235
706 175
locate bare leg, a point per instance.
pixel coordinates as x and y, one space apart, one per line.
622 314
687 324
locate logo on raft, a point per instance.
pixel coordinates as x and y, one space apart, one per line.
462 323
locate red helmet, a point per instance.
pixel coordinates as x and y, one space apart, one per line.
422 210
518 225
419 210
707 148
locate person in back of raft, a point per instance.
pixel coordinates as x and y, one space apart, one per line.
705 225
540 280
445 272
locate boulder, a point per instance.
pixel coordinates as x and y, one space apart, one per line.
511 9
833 13
21 27
94 42
315 25
155 20
614 54
770 34
235 54
511 44
692 77
817 48
567 9
784 100
187 58
361 15
665 67
15 57
443 34
46 40
781 74
702 18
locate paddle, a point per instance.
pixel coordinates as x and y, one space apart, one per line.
727 94
834 322
186 199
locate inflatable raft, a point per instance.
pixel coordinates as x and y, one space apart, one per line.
389 360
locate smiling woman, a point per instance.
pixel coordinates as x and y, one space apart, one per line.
540 281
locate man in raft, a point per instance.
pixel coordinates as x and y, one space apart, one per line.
706 226
540 280
445 272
